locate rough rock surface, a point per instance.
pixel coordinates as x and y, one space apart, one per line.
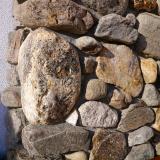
97 114
106 6
151 95
135 116
149 70
156 124
88 45
76 156
11 97
57 14
47 140
125 72
73 118
141 152
96 89
148 42
141 135
158 149
108 145
114 27
50 77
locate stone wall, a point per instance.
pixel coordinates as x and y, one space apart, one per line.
84 80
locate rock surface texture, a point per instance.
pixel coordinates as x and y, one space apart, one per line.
50 76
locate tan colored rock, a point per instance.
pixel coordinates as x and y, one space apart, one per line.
56 14
156 124
158 149
119 66
76 156
149 70
50 77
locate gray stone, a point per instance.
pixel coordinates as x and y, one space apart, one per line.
137 115
12 76
88 45
50 77
108 145
96 114
96 89
73 118
151 95
139 136
123 72
15 123
114 27
106 6
11 97
148 41
58 14
49 140
141 152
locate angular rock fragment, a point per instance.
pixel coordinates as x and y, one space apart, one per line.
151 95
53 140
88 45
137 115
125 72
106 6
96 114
149 70
76 156
96 89
148 41
141 152
156 124
58 14
73 118
114 27
50 76
11 97
139 136
108 145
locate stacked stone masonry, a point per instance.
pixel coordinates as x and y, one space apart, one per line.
84 80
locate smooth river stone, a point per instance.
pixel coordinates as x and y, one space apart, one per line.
56 14
119 66
50 76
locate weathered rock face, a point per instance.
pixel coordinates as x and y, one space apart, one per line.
95 89
108 145
58 14
50 76
106 6
148 41
47 140
156 124
97 114
114 27
125 72
135 116
143 151
139 136
149 70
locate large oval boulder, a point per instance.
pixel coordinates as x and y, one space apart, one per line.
50 76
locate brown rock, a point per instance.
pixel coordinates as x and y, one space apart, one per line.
50 77
108 145
119 66
149 70
137 115
156 124
58 15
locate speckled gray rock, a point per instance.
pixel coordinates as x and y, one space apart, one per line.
96 114
141 135
50 77
47 140
106 6
58 15
113 68
88 45
151 95
114 27
148 41
141 152
95 89
11 97
137 115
